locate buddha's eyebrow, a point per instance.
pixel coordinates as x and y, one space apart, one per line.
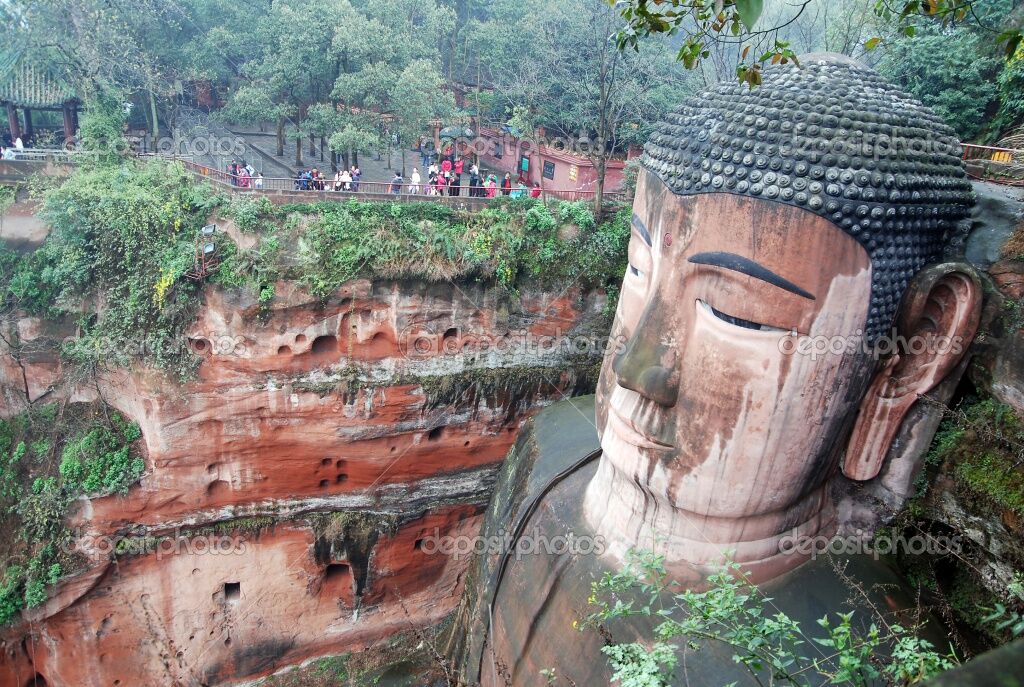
639 225
738 263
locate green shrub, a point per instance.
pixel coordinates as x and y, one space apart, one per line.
7 196
513 242
983 443
95 458
12 597
123 236
100 461
771 646
248 211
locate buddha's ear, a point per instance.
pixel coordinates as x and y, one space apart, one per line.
936 323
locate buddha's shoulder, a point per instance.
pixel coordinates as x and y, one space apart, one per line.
550 443
555 439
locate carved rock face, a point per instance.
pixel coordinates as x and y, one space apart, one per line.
717 435
832 137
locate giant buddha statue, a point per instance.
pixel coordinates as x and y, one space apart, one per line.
788 301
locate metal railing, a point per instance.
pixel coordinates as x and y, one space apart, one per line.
44 154
999 165
328 184
992 153
380 188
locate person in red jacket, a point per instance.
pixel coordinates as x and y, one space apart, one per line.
457 179
535 191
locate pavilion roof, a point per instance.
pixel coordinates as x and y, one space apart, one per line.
25 84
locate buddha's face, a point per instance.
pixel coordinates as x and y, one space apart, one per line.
701 402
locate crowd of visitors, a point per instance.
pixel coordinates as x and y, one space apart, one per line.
11 152
244 176
449 178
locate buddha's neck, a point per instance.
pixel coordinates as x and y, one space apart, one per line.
629 517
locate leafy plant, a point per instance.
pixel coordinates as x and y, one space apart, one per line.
733 612
512 242
7 197
96 458
122 237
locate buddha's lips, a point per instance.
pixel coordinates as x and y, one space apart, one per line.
627 431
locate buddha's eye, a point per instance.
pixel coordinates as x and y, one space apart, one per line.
635 272
740 322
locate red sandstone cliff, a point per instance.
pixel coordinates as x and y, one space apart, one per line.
344 433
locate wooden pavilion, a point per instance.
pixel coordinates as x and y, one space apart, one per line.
30 87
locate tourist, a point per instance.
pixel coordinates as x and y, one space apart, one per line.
520 191
474 180
249 168
346 180
233 173
396 183
425 154
307 180
356 175
415 179
492 186
244 178
18 144
459 164
8 154
257 181
506 184
535 191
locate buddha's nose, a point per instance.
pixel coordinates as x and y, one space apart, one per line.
647 364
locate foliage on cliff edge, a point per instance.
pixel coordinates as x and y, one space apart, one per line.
511 243
123 240
972 488
50 456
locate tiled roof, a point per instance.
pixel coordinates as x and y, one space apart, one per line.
26 85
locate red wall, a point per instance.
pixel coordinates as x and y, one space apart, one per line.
513 150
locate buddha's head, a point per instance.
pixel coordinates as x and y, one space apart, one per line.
780 236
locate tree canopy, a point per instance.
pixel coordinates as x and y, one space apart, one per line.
367 72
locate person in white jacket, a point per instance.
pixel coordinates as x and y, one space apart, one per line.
415 181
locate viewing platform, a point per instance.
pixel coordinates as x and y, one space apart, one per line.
281 190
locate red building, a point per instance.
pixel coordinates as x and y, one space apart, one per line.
546 162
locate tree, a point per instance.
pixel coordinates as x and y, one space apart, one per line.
564 71
351 138
256 103
389 80
702 24
950 71
416 97
290 67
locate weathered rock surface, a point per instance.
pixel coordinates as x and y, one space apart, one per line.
996 214
390 407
